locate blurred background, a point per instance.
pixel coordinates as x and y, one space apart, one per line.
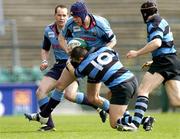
22 24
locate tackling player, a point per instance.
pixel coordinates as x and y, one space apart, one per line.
103 65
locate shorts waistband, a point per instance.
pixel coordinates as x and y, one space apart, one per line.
126 81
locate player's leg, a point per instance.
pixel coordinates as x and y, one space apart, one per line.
121 95
116 112
93 90
173 85
173 91
149 83
46 85
72 95
93 97
64 81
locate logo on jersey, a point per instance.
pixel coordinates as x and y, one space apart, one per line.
51 34
76 29
94 33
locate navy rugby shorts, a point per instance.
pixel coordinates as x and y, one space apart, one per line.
56 70
122 93
167 65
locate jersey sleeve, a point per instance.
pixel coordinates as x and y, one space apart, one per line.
66 32
106 31
78 74
156 30
46 44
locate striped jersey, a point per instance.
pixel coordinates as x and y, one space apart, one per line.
103 65
98 34
158 27
51 40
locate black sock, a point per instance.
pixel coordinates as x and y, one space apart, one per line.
49 108
50 121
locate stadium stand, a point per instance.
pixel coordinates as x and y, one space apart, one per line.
124 16
4 75
36 73
19 75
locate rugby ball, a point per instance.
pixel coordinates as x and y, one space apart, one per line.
77 42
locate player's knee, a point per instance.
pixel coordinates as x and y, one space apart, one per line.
175 99
67 96
40 92
60 87
113 124
175 102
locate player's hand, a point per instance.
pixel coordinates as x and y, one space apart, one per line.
44 65
69 50
146 65
132 54
70 66
68 63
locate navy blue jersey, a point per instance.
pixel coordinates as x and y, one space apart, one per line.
51 39
158 27
98 34
103 65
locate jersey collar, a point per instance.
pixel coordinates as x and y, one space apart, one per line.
92 22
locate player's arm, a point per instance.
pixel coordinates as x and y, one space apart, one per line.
62 42
112 43
70 67
44 58
65 35
107 33
149 47
45 53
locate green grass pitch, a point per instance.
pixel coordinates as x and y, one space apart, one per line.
89 126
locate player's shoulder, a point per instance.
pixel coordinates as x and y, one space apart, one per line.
49 27
100 21
99 18
157 21
69 21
